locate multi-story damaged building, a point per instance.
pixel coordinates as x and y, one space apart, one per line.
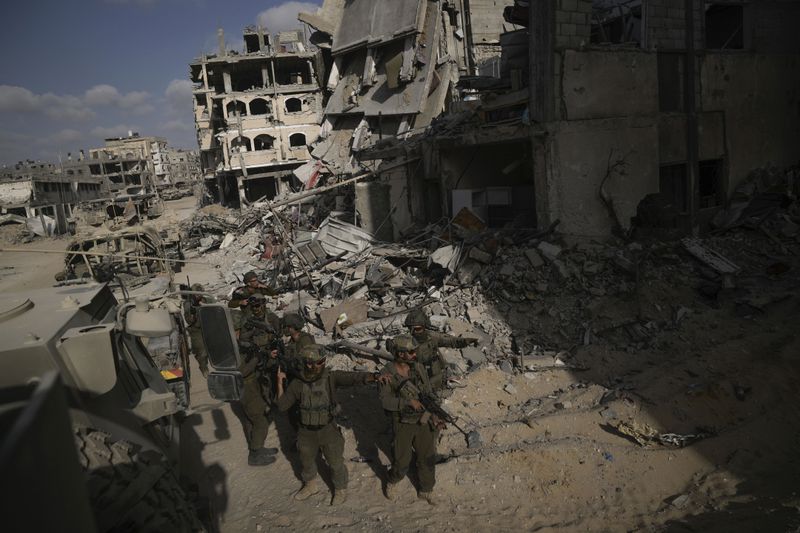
129 161
597 106
183 166
30 189
256 112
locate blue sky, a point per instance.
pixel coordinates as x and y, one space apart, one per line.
76 71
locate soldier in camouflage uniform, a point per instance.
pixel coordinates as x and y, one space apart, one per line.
292 327
193 325
428 343
257 332
414 429
314 390
251 286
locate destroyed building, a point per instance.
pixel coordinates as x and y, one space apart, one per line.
131 160
183 166
47 193
255 113
393 67
588 119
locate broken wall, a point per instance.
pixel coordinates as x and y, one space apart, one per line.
760 97
578 158
602 84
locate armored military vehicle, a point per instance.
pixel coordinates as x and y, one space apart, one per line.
123 416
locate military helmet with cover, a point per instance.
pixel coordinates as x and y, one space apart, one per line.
197 287
257 299
311 353
250 276
417 317
402 343
292 320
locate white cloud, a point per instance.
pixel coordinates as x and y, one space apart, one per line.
15 99
179 95
109 96
284 17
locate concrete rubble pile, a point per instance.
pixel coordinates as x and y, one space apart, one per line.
529 296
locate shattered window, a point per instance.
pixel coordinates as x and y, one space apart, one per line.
297 140
724 26
616 22
259 106
263 142
293 105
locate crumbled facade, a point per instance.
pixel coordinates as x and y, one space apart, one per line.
129 161
256 112
30 189
618 119
592 112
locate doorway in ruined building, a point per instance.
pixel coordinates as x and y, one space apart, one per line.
493 181
260 188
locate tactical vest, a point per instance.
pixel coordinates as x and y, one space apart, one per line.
317 404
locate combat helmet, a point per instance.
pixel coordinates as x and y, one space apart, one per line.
250 276
292 320
311 353
402 343
417 317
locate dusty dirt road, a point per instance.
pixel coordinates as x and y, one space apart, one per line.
551 458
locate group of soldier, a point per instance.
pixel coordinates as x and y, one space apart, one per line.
292 376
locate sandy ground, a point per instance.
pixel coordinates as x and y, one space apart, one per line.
551 459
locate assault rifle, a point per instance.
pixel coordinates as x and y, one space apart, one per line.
432 405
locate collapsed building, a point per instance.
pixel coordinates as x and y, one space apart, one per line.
256 112
589 118
130 160
46 194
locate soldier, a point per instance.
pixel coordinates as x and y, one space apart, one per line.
193 325
413 428
292 327
428 341
257 334
314 391
251 286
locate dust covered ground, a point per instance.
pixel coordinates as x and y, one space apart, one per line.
719 365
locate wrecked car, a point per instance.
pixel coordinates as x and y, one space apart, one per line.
136 252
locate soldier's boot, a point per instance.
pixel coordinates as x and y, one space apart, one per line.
428 497
339 496
260 457
391 491
309 489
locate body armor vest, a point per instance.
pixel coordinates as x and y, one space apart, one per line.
317 405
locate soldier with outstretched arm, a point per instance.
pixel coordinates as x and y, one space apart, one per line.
314 391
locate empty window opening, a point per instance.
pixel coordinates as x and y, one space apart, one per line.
724 26
292 71
616 22
259 106
297 140
293 105
246 75
251 42
236 107
672 184
709 183
240 144
263 142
